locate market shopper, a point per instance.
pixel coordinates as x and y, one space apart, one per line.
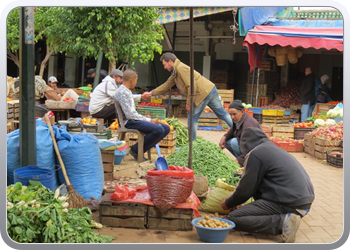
205 92
307 94
154 130
92 73
241 121
322 89
281 188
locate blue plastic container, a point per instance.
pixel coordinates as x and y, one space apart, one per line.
44 176
287 112
212 235
338 119
118 157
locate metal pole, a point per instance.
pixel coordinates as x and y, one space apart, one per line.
82 71
27 121
173 45
257 88
192 90
252 90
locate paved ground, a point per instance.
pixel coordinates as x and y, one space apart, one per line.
324 223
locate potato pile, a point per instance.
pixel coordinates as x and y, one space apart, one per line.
212 223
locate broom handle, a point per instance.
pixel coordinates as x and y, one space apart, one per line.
56 149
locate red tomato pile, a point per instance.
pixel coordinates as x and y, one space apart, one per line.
153 104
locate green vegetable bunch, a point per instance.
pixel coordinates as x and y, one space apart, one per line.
37 215
182 133
208 159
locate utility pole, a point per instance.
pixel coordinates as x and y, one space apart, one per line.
27 140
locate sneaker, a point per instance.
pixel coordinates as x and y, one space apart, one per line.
290 227
133 154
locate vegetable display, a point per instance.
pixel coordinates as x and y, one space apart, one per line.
335 112
152 104
182 133
37 215
208 159
334 132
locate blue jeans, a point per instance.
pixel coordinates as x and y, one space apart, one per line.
154 133
305 111
213 101
233 146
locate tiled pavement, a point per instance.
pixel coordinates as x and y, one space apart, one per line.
324 223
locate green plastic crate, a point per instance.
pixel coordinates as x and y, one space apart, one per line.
153 112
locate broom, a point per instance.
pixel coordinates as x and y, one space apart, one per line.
75 200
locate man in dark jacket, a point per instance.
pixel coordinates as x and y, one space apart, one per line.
307 94
280 186
241 121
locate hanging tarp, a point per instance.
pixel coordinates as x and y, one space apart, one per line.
174 14
248 17
306 37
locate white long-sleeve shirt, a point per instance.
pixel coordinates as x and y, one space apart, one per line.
126 101
103 95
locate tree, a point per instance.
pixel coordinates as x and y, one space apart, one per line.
121 33
13 36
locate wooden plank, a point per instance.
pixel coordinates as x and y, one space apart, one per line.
120 208
323 149
127 222
169 224
324 142
283 128
164 150
283 134
108 176
170 136
108 167
320 155
174 213
108 156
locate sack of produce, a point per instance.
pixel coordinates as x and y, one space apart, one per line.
168 188
212 202
200 186
82 159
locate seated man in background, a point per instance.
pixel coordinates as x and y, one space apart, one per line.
154 130
102 102
52 92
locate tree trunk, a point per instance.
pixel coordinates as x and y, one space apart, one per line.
44 62
112 65
13 56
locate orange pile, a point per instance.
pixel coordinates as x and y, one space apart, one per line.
114 125
303 125
89 121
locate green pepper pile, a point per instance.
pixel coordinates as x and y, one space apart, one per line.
208 159
36 215
181 130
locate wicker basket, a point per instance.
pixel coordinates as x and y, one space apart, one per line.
272 51
281 59
281 50
292 55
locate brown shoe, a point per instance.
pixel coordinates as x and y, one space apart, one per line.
290 227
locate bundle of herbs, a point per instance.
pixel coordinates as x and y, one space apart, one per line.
37 215
208 159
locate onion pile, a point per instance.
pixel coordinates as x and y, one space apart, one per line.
288 95
330 133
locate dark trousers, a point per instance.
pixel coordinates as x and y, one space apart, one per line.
154 133
262 216
107 113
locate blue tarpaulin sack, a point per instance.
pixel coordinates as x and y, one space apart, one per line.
82 159
13 160
45 155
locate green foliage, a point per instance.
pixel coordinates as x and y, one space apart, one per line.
13 30
122 33
125 33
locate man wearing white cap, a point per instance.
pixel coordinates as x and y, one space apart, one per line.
52 92
102 102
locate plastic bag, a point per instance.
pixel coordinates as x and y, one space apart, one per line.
122 193
212 202
71 94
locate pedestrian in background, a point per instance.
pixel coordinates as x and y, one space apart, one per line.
307 94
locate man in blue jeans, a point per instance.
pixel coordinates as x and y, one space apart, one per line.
241 121
154 130
205 92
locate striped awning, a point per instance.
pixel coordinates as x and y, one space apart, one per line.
174 14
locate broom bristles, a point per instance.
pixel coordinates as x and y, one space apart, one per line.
75 200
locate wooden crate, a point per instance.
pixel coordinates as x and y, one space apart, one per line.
323 149
162 143
283 134
174 219
164 150
107 156
122 214
324 142
320 155
322 107
220 76
207 122
221 85
266 65
262 89
262 77
170 136
226 95
272 119
108 176
283 128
